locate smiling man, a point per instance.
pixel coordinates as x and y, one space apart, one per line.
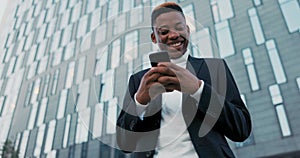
184 108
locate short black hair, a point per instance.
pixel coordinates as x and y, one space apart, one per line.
165 8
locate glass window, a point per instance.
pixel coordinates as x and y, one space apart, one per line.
111 116
29 41
70 75
257 2
90 6
24 142
51 154
42 32
119 24
57 56
32 116
98 120
2 103
100 33
9 53
283 120
11 66
275 62
82 129
82 26
76 11
115 53
113 8
50 136
55 81
190 17
291 13
51 27
155 3
101 61
275 94
31 55
50 13
43 64
80 70
20 47
67 34
39 141
29 25
62 104
127 5
96 15
17 142
83 92
131 46
201 42
38 8
224 39
28 93
222 10
41 50
56 41
66 131
63 6
249 63
36 90
41 17
86 42
101 3
19 63
146 62
130 69
46 85
108 85
298 82
42 111
65 18
69 50
256 26
136 15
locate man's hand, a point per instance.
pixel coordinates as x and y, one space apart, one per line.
177 78
149 87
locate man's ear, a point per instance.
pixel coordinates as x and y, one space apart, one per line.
188 28
153 38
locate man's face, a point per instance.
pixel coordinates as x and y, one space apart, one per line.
171 33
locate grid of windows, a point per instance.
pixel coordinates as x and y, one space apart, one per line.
47 33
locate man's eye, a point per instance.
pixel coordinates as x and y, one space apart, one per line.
163 32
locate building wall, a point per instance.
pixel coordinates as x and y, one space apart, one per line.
65 66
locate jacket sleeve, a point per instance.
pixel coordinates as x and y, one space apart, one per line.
131 131
222 105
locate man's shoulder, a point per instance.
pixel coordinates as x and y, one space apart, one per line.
214 60
140 73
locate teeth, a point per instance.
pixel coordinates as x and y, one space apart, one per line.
175 44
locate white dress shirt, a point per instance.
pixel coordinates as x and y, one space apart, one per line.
174 140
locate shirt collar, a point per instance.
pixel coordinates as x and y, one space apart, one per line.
181 59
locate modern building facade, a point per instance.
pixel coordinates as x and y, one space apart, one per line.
64 67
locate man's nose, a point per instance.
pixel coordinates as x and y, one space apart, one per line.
173 34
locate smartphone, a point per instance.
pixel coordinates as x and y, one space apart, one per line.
157 57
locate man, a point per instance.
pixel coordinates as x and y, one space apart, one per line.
182 108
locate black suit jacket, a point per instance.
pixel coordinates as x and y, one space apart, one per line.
219 113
